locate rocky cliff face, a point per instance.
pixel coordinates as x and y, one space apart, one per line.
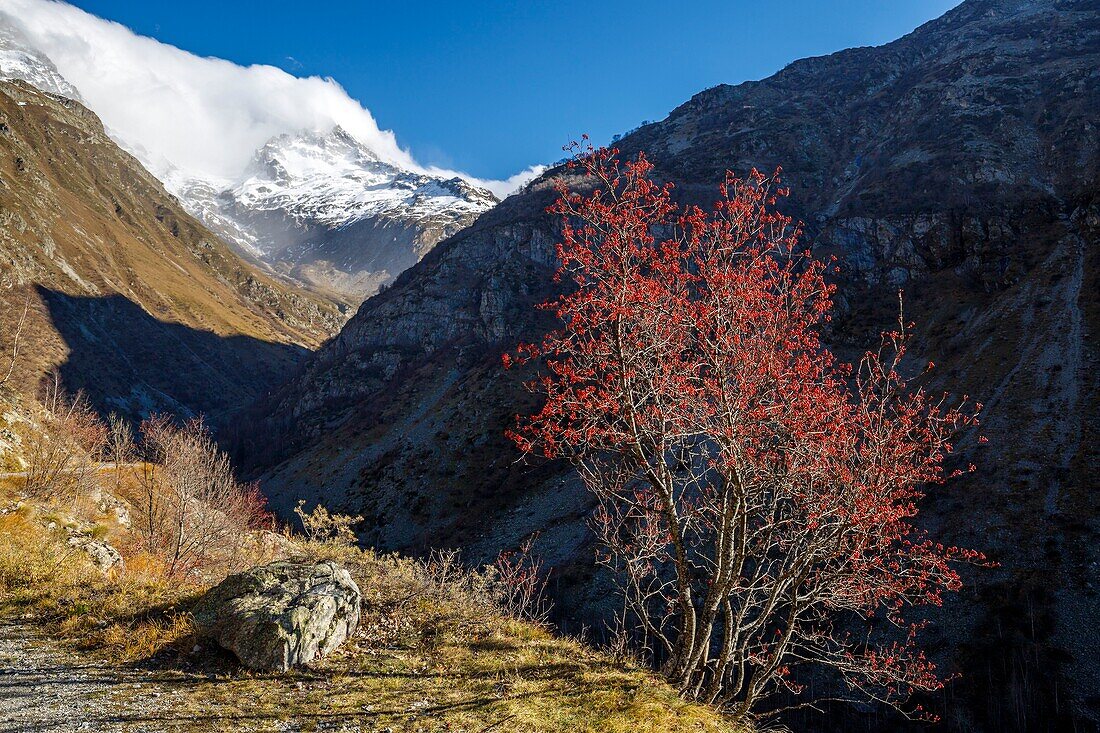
126 295
960 162
323 209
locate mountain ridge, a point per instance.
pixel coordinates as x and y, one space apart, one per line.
19 61
322 208
315 206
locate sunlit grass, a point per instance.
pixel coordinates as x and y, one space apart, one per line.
430 655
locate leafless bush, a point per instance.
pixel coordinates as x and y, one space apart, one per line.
445 569
320 526
622 643
193 513
513 585
62 444
120 446
521 583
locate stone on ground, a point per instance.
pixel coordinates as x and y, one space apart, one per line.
106 558
281 615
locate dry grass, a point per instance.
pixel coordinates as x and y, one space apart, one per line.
433 652
126 616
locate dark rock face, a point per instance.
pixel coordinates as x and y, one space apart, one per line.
281 615
961 163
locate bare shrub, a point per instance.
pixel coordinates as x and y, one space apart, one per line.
445 569
513 585
521 583
193 513
62 445
120 447
321 526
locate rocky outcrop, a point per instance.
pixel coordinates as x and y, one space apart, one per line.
281 615
106 558
83 538
112 506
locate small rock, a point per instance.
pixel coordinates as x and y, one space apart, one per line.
103 556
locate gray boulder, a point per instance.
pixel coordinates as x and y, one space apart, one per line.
281 615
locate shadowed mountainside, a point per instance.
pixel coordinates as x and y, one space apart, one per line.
128 361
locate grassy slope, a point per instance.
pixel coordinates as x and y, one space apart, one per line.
429 655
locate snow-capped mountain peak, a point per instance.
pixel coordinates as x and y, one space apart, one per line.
333 179
323 207
19 61
308 154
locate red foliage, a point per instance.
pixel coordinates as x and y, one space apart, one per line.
756 494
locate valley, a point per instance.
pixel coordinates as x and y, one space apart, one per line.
339 318
125 293
401 417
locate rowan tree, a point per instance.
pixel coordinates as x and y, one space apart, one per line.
755 495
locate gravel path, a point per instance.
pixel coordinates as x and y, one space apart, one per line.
101 467
47 687
44 687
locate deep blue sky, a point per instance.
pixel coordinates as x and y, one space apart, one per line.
492 87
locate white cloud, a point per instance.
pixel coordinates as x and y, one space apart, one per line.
509 185
203 116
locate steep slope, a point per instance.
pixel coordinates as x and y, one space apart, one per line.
317 207
126 294
325 210
960 162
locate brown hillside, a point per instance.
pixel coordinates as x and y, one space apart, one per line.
126 294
